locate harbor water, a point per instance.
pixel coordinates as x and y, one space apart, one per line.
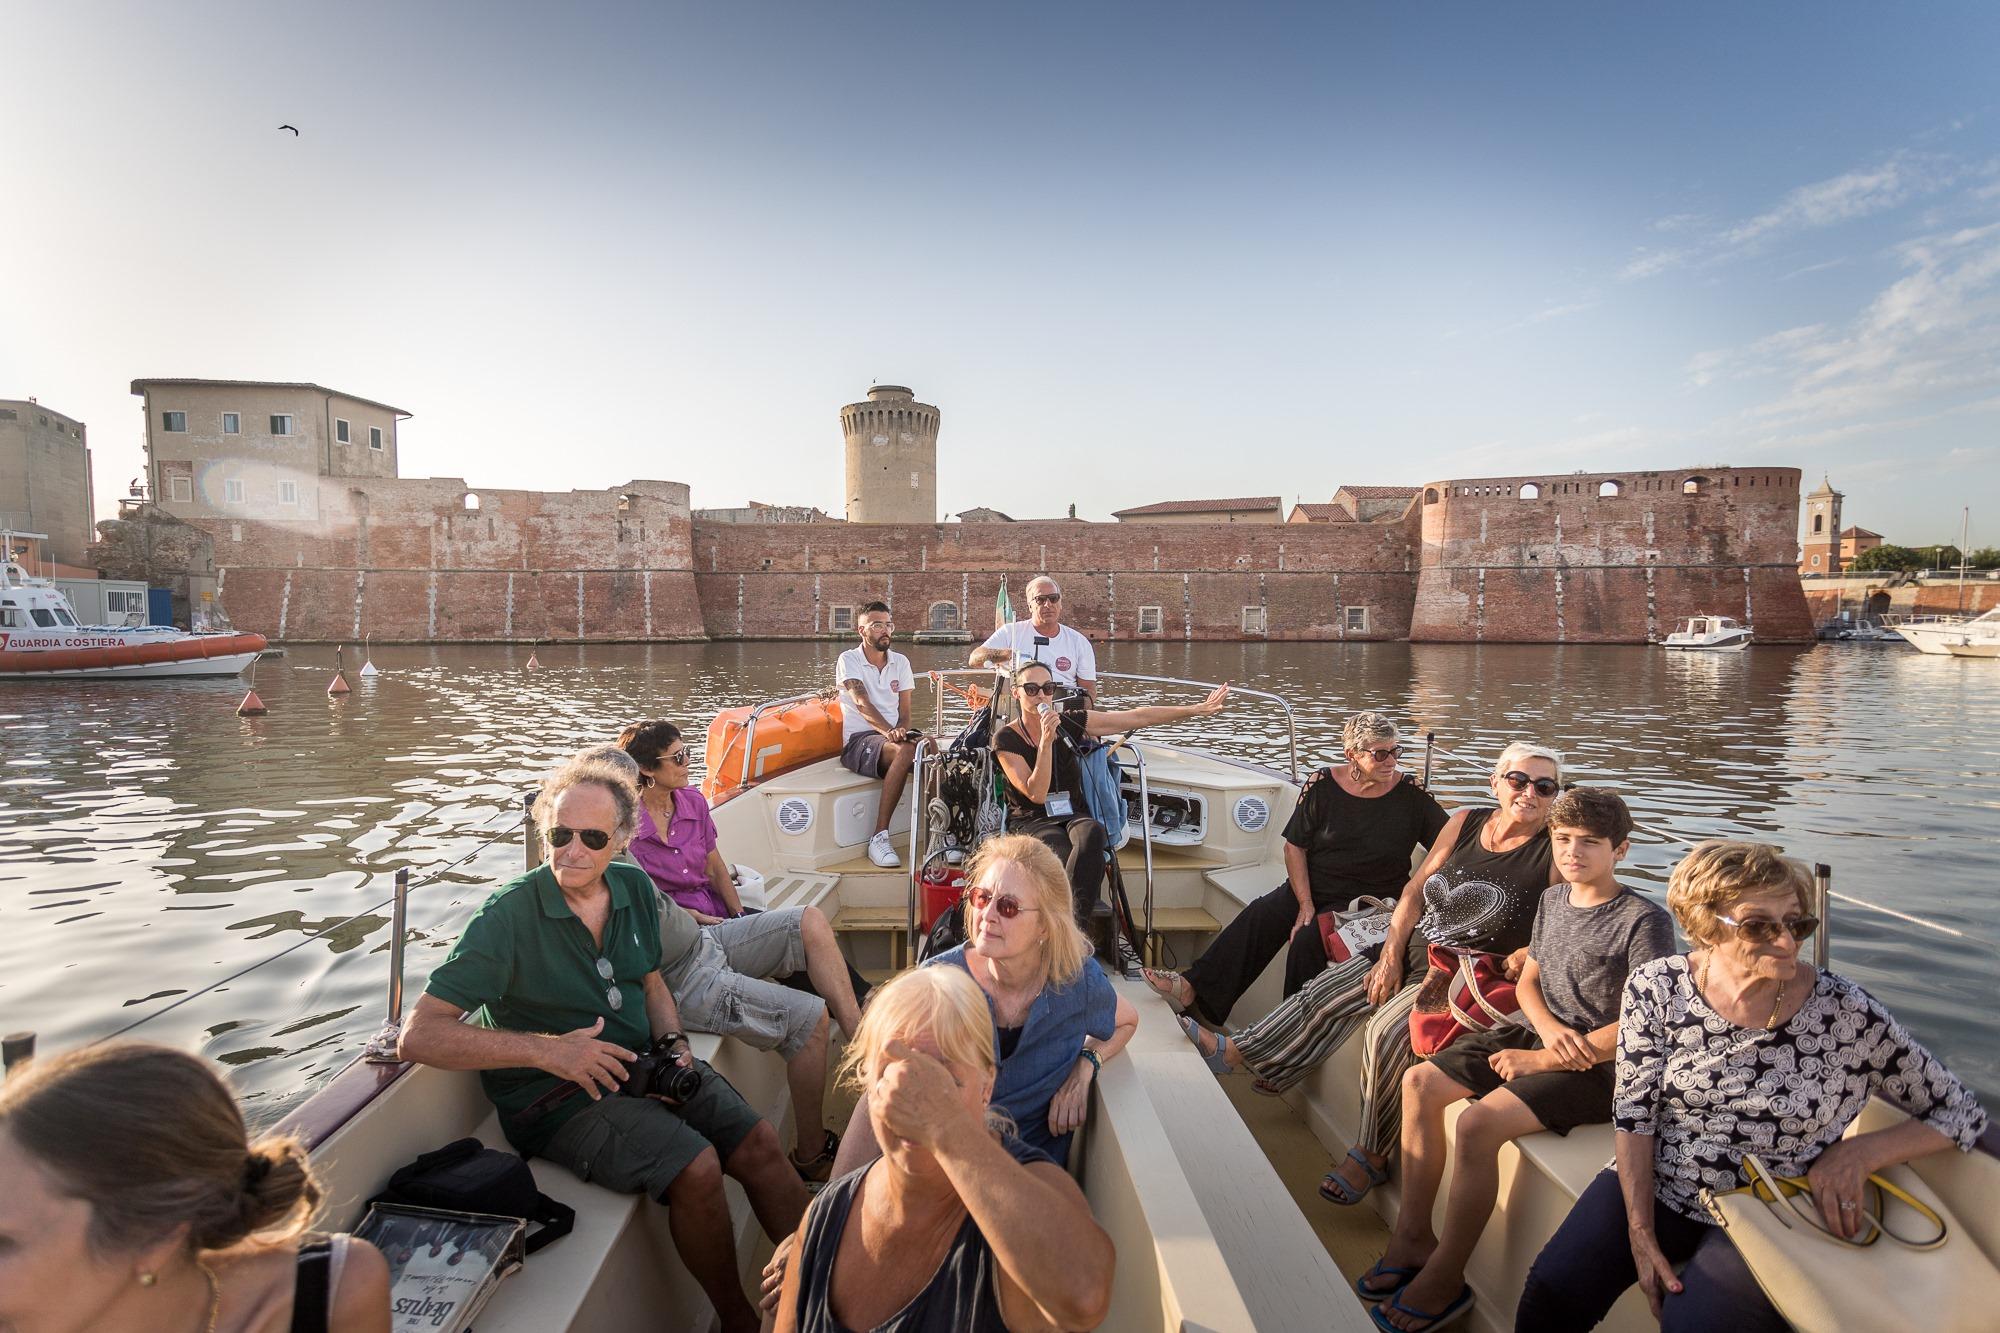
153 843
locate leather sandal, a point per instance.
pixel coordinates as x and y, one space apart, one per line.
816 1170
1216 1060
1335 1189
1177 993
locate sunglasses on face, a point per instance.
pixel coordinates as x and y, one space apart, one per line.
1519 781
1031 688
612 995
1005 907
1763 930
1382 756
1044 598
594 838
678 757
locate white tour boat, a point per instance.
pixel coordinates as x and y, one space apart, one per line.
1715 634
1207 1191
39 638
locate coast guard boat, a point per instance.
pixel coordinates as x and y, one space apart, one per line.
39 638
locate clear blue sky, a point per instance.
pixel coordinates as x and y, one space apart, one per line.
1134 252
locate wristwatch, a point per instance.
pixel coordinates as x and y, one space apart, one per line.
1096 1064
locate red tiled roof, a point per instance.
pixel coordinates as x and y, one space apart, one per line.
1252 502
1378 492
1323 513
1859 532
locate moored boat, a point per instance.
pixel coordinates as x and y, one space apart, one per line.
1938 634
40 638
1715 634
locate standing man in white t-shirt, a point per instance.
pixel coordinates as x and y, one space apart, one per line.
876 738
1045 639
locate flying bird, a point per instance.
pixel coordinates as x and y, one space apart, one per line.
292 128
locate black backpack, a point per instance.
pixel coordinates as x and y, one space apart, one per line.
469 1177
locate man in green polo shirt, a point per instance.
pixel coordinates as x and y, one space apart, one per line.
561 970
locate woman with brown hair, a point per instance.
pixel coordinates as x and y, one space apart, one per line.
134 1201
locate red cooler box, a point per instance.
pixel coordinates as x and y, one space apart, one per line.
943 883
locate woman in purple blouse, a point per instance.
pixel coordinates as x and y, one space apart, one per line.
675 841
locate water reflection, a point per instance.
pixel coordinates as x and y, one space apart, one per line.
151 841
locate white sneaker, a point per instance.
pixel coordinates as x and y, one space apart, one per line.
883 852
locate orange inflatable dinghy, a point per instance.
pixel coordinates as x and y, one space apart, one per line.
785 739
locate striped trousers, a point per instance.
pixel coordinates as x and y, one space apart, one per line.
1295 1038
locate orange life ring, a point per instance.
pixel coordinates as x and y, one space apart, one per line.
786 738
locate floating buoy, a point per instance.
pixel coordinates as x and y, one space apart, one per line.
338 685
368 658
251 706
533 665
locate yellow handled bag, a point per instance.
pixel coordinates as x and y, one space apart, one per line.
1901 1270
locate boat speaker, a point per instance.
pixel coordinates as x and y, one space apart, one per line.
1252 813
795 814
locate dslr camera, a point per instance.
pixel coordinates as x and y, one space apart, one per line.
655 1073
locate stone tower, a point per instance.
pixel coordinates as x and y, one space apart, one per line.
891 457
1820 553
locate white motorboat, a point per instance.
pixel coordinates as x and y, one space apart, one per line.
1205 1189
1938 635
39 638
1715 634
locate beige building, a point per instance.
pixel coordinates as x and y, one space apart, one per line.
759 512
891 445
1357 504
1250 509
251 450
45 487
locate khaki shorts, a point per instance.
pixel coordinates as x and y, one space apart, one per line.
635 1145
721 988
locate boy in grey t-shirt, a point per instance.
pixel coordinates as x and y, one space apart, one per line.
1589 934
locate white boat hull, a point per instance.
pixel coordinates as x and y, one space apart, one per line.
232 665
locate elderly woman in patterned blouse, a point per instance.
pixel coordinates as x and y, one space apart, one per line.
1734 1047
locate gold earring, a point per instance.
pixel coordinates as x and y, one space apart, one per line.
148 1279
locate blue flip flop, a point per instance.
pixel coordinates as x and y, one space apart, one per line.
1380 1269
1335 1190
1215 1061
1432 1322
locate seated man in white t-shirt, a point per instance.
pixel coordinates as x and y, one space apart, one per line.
1045 639
877 740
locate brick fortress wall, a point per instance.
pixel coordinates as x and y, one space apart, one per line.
408 560
1571 565
779 581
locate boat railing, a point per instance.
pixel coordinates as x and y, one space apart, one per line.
750 725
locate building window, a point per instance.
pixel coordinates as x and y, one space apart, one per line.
123 602
1253 620
1150 619
1693 485
913 482
340 430
471 503
232 492
375 437
1608 489
232 423
1819 524
174 423
288 492
1815 562
1357 620
1530 491
281 423
944 616
180 489
840 619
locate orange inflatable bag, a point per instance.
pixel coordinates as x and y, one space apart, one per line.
785 739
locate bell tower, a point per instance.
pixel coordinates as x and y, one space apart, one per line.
1820 551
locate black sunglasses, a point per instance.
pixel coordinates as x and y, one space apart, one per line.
1763 930
1031 688
1381 755
1041 597
679 757
1544 787
1005 907
594 838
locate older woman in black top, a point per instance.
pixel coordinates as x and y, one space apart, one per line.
1737 1047
1351 834
1037 753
